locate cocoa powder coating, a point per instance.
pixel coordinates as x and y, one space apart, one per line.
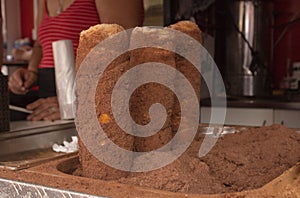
246 160
242 161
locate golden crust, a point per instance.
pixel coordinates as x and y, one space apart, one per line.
188 27
91 37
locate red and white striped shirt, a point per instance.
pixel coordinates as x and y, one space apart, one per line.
80 15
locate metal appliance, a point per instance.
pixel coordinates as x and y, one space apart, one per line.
242 32
245 27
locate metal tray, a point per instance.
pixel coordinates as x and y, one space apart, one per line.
29 143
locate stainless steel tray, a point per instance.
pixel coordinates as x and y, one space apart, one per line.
29 143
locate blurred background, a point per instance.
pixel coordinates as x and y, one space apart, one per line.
254 43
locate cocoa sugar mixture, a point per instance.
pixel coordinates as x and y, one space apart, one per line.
242 161
246 160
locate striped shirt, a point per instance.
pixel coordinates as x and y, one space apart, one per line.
80 15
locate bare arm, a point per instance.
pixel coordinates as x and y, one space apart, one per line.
127 13
22 79
37 50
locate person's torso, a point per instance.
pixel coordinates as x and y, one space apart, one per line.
79 16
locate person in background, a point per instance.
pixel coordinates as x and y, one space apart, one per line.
65 19
22 49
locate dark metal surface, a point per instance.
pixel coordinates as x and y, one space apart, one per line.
247 45
29 143
24 160
4 111
28 128
15 63
258 103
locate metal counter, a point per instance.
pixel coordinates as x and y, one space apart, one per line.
30 143
257 103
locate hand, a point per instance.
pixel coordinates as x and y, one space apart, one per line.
44 109
22 53
21 80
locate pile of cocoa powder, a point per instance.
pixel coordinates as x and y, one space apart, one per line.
245 160
252 158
